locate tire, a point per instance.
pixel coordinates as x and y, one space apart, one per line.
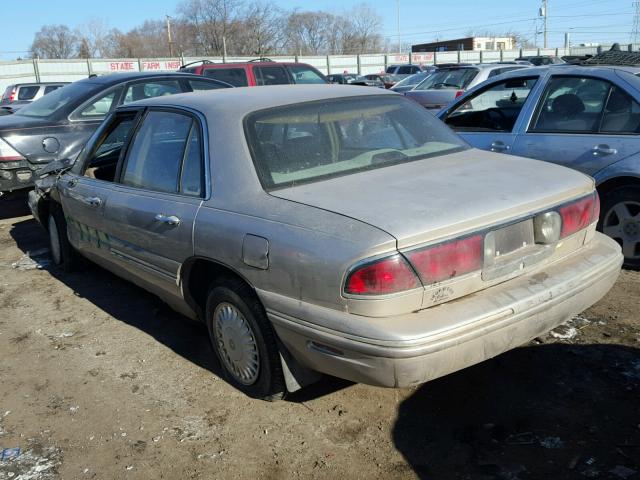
244 340
63 254
620 220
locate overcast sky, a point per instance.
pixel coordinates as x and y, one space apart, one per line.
602 21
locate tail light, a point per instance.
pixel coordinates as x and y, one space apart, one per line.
8 153
387 275
448 260
579 214
459 93
10 95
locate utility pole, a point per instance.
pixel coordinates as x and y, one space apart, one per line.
169 35
224 49
635 33
544 14
398 25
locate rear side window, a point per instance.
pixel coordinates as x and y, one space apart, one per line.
165 155
305 75
98 108
27 93
572 104
271 76
622 114
233 76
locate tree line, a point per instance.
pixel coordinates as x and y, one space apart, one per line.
215 27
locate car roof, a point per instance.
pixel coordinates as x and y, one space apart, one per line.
243 100
29 84
114 78
569 69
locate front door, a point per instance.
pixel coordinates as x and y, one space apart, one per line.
581 122
488 119
85 190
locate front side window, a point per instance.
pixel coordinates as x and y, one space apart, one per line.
140 91
199 85
103 157
495 108
457 78
271 76
316 140
306 75
165 155
572 104
233 76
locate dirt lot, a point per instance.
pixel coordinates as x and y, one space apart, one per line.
99 379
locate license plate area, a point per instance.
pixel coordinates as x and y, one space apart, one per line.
511 249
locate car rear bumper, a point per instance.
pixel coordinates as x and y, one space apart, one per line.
493 321
16 179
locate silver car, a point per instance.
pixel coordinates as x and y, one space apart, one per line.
448 83
334 229
587 118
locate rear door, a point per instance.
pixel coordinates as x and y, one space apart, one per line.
151 212
582 122
489 118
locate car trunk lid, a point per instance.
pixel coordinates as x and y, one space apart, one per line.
444 197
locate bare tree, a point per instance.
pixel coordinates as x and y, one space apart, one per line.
362 30
94 37
261 30
307 32
214 21
54 41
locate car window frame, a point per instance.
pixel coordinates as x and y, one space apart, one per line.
257 73
200 121
538 108
126 86
227 67
481 88
100 135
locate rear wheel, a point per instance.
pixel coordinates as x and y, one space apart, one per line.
244 341
62 253
620 220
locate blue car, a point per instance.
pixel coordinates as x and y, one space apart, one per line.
586 118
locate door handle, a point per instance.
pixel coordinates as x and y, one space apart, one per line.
499 146
603 150
92 201
167 219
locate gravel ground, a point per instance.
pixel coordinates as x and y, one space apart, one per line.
99 379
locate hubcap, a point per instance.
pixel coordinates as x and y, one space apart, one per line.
54 241
622 223
236 343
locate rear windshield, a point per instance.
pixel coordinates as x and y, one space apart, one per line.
57 99
457 78
312 141
233 76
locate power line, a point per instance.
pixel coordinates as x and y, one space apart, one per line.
635 32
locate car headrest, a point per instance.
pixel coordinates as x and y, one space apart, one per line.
567 105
